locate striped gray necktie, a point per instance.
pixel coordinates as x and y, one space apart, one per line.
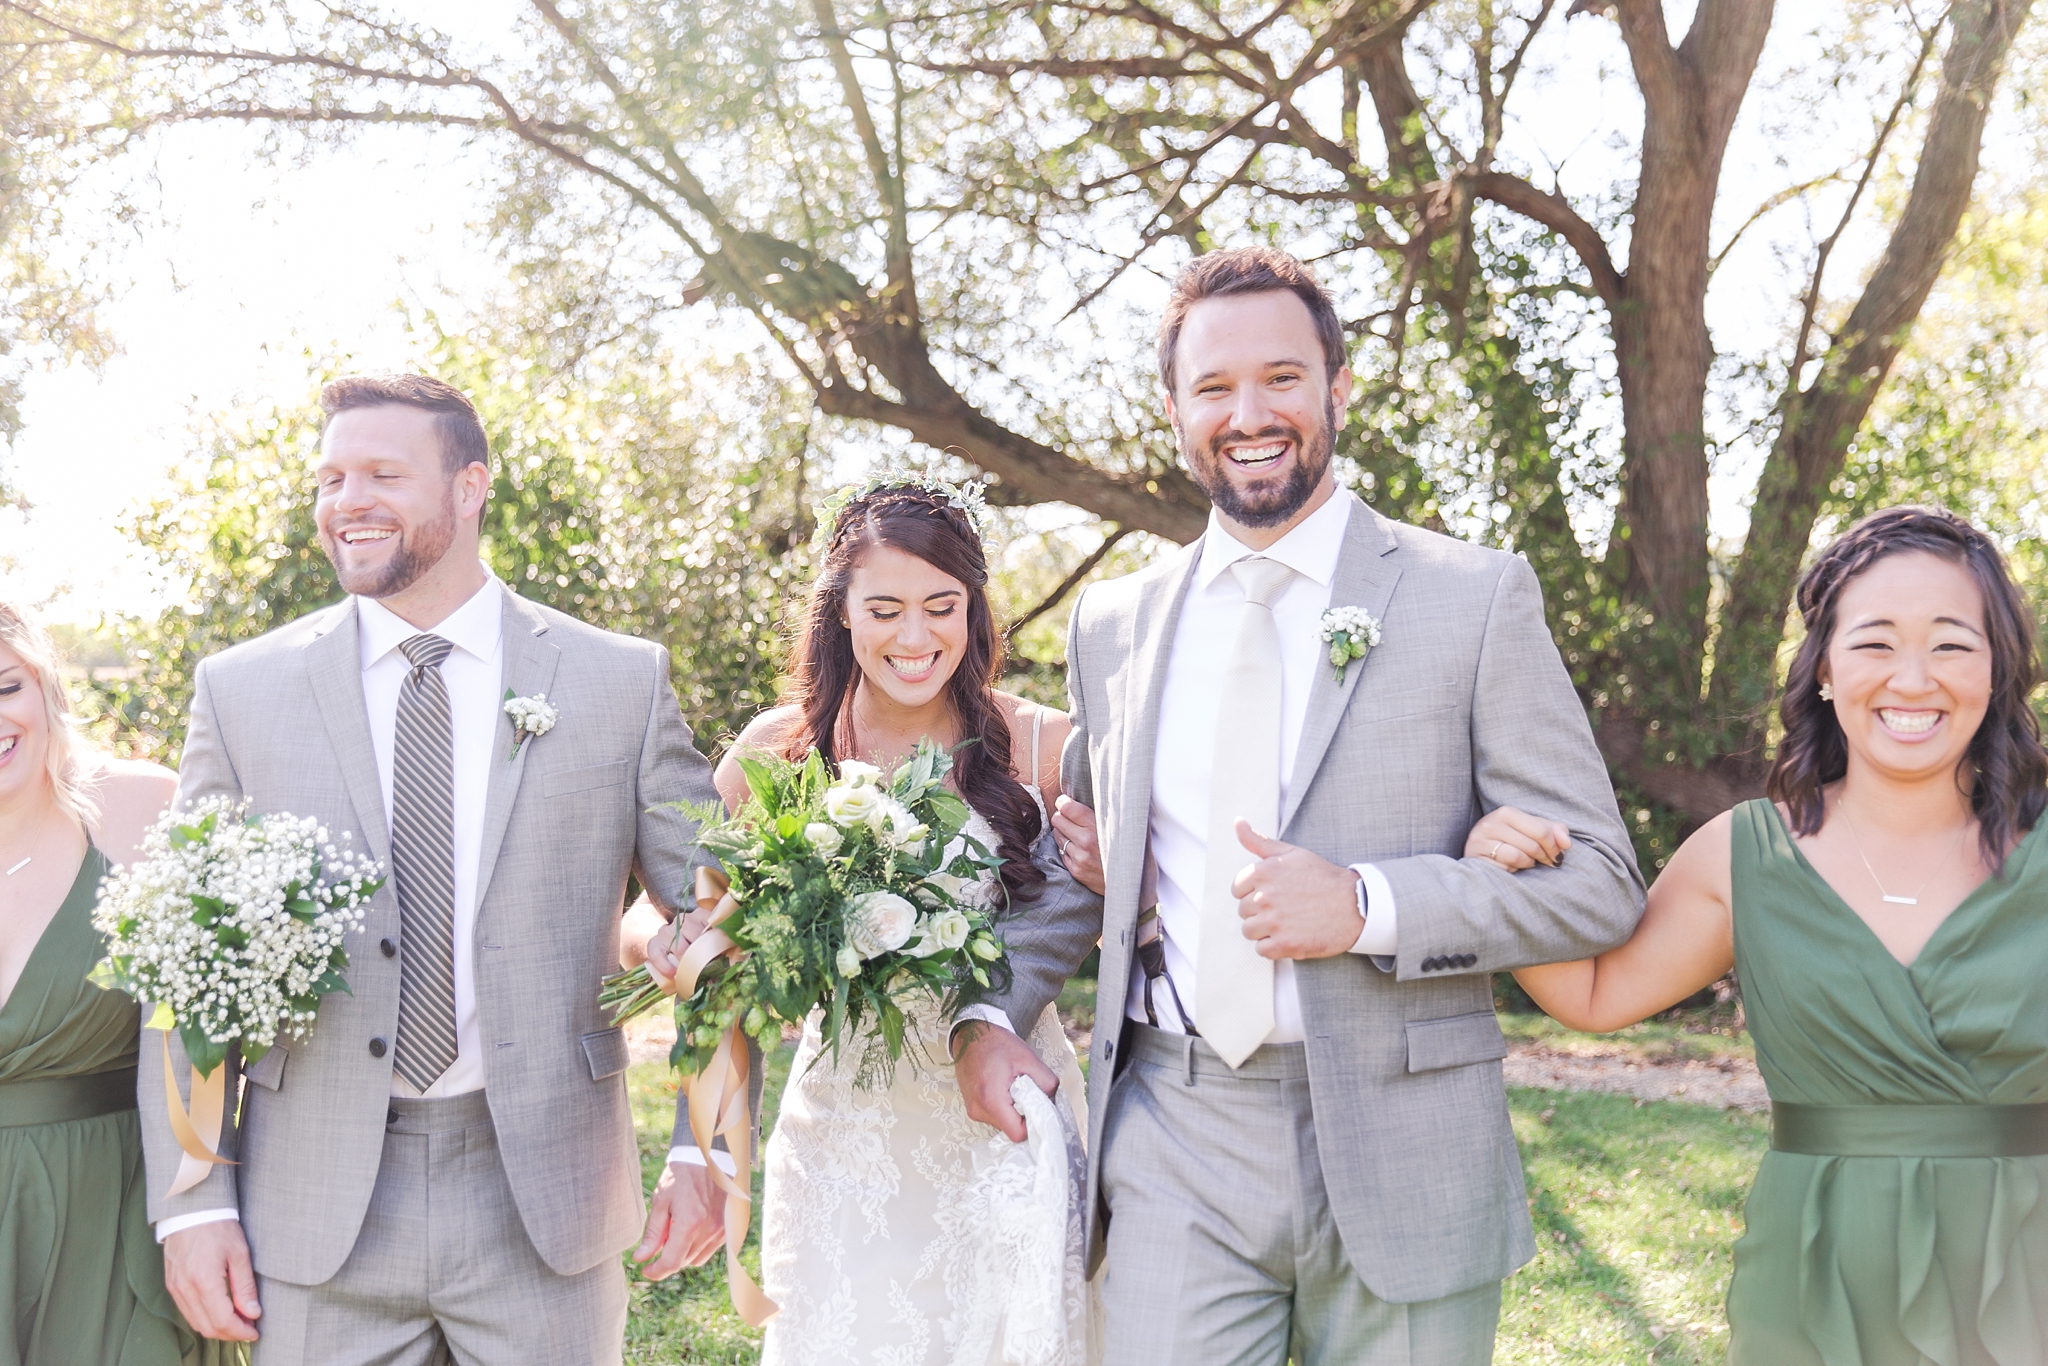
423 857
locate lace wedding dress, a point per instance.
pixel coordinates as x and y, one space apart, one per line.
897 1231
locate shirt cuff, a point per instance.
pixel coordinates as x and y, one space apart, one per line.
987 1014
178 1223
688 1155
1379 939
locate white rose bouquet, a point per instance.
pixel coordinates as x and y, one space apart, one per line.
231 927
857 893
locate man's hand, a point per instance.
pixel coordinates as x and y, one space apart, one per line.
986 1059
1295 904
207 1270
685 1221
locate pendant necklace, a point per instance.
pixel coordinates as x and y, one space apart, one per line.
1856 836
19 866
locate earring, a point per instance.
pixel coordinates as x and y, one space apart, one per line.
1827 692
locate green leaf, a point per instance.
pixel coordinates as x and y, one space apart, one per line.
203 1053
760 781
161 1018
331 981
207 909
103 975
253 1051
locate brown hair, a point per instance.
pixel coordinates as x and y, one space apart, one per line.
73 764
925 524
462 432
2011 786
1248 270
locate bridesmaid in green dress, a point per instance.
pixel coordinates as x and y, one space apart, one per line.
1887 911
81 1278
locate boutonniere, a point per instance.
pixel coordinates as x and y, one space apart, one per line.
531 716
1351 633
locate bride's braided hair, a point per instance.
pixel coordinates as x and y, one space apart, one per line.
930 522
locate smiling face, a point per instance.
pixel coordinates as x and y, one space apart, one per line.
908 620
24 730
1254 409
388 510
1910 665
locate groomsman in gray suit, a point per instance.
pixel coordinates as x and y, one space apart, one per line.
1299 1138
445 1165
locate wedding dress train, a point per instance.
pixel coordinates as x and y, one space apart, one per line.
897 1231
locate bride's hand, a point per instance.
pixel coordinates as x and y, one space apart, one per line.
1080 849
1517 840
666 948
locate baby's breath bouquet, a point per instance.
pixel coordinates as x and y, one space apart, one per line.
232 926
859 893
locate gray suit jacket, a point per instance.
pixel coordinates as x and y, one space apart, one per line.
1464 706
281 721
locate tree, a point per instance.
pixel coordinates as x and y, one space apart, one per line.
939 219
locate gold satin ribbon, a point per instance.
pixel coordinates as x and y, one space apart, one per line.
718 1100
198 1132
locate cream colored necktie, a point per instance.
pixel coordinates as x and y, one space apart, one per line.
1233 984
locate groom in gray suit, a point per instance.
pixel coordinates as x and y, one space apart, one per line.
445 1164
1299 1138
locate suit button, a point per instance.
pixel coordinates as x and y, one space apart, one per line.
1431 964
1468 960
1108 1050
388 948
391 1116
376 1048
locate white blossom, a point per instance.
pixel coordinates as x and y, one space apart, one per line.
852 805
238 977
879 922
824 838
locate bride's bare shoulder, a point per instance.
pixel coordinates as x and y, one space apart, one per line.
769 731
1054 726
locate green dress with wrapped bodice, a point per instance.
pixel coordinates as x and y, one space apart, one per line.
1901 1217
81 1276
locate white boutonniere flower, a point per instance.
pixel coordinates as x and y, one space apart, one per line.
1351 633
531 716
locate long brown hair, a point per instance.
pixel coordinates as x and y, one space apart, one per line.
925 523
2011 769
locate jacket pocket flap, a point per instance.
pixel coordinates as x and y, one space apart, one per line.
584 779
605 1051
268 1070
1454 1041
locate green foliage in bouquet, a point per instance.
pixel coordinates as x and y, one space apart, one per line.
862 896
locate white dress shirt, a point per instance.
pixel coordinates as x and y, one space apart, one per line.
1184 750
474 674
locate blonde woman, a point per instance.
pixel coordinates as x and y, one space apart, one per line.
81 1280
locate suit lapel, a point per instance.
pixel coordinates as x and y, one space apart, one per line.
529 667
1365 578
1153 619
334 663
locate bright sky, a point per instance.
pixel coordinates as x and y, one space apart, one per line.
257 261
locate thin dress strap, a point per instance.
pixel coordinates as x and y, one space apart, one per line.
1037 797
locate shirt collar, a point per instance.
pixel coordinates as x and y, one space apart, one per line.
473 627
1311 549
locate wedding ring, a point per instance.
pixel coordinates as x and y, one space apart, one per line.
1066 848
1495 854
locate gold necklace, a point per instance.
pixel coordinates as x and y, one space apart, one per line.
1856 838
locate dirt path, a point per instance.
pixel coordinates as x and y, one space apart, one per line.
1727 1083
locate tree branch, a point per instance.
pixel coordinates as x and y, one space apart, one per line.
1555 212
1069 583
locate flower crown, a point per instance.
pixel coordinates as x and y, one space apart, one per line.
967 499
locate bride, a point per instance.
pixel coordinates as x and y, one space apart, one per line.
882 1229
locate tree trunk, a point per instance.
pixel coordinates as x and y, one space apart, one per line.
1821 421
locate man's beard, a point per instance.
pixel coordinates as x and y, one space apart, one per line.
1263 506
419 550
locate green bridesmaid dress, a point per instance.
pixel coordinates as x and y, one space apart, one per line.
1901 1216
81 1276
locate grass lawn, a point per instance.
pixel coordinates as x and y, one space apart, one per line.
1636 1206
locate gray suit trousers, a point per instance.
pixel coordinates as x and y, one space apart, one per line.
443 1269
1222 1246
